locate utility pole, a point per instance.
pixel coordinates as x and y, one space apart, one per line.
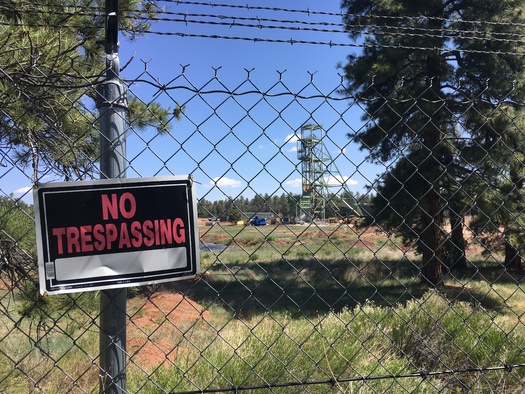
112 105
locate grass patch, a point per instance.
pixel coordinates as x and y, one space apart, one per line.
364 341
292 304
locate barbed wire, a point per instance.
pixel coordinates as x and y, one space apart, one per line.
341 27
339 14
292 41
365 30
330 43
249 7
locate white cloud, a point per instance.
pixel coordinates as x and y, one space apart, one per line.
225 182
331 181
294 182
291 138
22 190
340 181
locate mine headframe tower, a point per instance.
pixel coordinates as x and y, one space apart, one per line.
322 184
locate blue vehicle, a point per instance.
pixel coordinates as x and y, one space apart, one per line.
257 221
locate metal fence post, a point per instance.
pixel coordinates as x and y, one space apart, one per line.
112 105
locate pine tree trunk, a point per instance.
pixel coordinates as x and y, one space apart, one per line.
430 169
512 254
457 223
431 216
432 271
512 257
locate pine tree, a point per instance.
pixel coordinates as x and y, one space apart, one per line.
421 78
51 58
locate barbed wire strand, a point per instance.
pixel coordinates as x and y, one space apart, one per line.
331 43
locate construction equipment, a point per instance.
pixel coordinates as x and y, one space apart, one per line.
257 221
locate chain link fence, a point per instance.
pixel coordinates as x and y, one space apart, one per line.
324 268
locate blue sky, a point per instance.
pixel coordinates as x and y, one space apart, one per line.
228 152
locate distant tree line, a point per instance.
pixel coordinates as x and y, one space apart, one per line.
283 206
237 208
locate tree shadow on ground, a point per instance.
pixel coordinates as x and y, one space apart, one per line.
474 284
312 287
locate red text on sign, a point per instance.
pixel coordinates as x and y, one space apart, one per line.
126 206
123 236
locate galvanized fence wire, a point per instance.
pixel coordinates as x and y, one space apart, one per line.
332 294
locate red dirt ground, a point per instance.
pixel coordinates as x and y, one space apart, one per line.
150 332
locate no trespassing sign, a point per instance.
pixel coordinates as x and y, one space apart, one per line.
103 234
